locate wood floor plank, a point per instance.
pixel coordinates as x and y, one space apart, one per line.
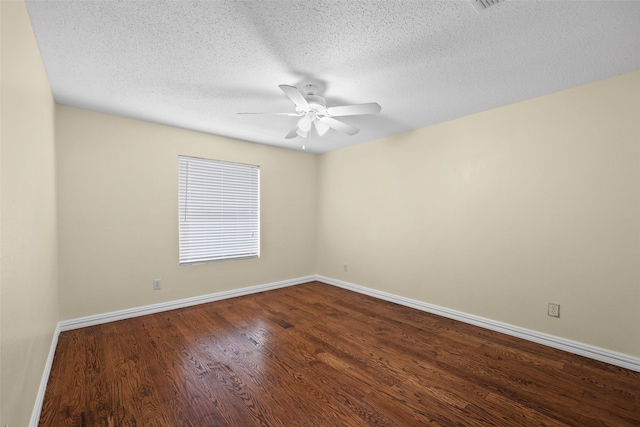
317 355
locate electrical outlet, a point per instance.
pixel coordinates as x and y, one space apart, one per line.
156 284
345 267
554 310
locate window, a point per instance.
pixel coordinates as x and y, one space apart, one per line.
219 209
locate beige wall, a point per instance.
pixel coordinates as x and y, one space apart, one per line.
28 279
499 213
118 213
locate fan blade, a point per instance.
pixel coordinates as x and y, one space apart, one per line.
322 128
294 95
355 110
339 126
277 114
292 133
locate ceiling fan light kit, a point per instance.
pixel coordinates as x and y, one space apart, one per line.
314 113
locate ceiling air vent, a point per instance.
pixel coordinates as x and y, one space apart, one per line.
482 5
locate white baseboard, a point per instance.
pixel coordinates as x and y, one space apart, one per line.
37 408
603 355
82 322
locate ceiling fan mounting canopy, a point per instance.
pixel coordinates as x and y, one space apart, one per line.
313 112
310 89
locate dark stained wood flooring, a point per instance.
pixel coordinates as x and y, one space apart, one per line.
317 355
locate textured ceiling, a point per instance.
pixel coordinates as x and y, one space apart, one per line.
195 64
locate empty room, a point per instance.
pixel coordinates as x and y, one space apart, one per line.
292 213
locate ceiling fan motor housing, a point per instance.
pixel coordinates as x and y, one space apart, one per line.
316 102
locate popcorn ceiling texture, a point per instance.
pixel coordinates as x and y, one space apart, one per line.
195 64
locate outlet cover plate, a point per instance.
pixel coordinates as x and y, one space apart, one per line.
553 310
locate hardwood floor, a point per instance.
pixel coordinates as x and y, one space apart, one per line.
317 355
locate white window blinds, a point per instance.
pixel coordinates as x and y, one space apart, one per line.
219 209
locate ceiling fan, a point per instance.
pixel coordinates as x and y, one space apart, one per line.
313 111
